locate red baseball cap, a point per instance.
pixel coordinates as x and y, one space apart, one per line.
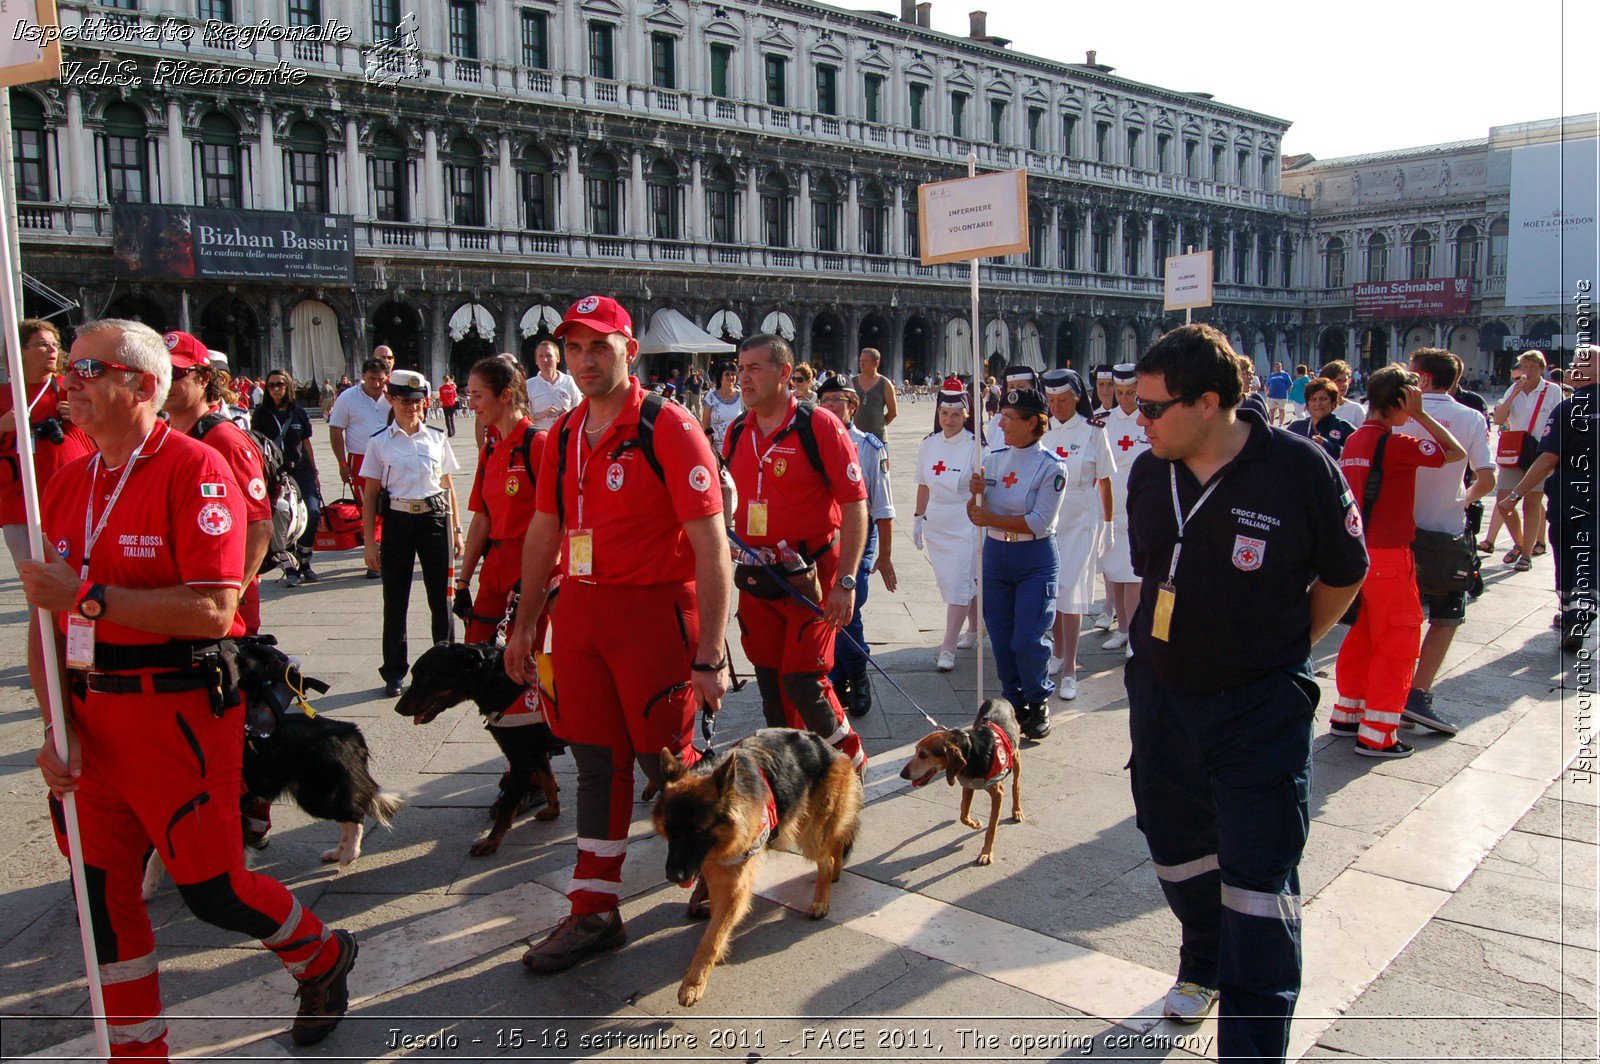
600 313
186 351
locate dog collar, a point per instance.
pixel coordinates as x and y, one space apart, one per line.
1004 755
769 825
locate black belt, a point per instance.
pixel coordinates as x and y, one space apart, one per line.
111 657
107 684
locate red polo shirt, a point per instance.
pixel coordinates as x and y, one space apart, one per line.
503 488
636 519
180 519
47 457
1392 523
802 506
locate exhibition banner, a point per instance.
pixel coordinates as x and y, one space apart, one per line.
216 243
1552 231
1410 299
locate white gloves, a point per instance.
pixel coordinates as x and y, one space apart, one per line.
917 536
1108 536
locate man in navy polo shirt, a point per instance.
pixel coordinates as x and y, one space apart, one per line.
1263 561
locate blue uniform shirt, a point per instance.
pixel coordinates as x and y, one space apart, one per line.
1026 481
873 455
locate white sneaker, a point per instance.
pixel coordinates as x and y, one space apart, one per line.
1067 688
1105 622
1053 666
1117 641
967 641
1189 1003
947 661
1128 653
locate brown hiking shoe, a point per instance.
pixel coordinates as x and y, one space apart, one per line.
575 938
325 999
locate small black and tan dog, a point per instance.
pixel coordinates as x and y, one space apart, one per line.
778 787
451 673
979 758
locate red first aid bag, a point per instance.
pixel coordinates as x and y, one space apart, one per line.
340 527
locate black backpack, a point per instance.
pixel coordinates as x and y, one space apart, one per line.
271 454
289 514
800 426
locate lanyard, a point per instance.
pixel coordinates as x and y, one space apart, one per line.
761 458
1183 518
583 461
91 529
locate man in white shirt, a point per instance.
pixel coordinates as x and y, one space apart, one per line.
551 393
1441 506
1337 373
1526 407
357 414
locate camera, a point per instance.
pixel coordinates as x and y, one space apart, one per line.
50 430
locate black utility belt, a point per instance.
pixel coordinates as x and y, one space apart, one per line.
106 683
211 667
113 657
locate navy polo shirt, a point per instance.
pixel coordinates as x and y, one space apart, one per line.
1570 436
1281 516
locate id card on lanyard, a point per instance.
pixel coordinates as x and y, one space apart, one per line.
755 519
80 630
580 540
1167 591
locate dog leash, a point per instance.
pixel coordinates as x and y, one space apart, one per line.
817 610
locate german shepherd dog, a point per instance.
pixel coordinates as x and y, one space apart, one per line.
451 673
979 758
778 787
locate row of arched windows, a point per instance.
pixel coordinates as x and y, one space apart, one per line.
1466 257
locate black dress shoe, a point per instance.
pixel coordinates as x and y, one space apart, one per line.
392 689
860 703
1038 721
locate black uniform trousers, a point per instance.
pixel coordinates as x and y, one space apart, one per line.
1220 789
1573 540
408 539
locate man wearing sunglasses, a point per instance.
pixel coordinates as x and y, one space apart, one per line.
1248 547
151 538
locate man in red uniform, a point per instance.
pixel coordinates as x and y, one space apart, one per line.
1379 654
801 492
150 534
188 407
644 598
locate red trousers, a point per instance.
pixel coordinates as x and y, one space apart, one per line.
1379 653
621 657
162 770
497 575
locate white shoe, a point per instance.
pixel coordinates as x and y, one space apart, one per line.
1128 653
1053 666
967 641
1189 1003
947 661
1067 688
1105 622
1117 641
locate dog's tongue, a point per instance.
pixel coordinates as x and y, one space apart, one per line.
687 884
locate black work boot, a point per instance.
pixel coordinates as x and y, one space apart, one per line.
860 701
1036 724
325 999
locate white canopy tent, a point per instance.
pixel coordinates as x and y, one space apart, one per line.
670 333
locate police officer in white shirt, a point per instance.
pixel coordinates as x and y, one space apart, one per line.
551 393
407 470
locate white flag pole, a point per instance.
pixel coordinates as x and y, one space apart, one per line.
977 436
30 499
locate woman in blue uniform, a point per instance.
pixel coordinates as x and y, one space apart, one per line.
1015 498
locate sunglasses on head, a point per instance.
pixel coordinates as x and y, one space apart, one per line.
1153 410
90 368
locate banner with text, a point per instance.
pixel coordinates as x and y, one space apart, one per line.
974 217
1410 299
1188 281
1553 235
213 243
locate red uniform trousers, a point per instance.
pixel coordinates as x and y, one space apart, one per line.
161 770
791 649
358 490
497 575
1379 654
622 656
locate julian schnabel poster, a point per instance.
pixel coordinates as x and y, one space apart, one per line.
221 244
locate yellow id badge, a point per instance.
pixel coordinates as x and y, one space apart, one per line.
80 642
580 553
755 522
1161 622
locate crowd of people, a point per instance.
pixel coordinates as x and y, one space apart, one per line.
1177 502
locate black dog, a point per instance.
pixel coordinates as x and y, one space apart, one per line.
451 673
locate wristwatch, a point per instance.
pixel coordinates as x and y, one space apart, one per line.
91 601
847 582
1514 495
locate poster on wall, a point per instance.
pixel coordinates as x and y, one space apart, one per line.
1552 232
213 243
1412 299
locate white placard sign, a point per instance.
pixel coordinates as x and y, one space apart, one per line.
974 217
1188 281
30 48
1552 229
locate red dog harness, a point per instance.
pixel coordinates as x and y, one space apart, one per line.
1005 756
526 708
769 825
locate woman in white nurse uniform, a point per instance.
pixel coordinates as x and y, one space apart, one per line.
941 528
1128 442
1080 442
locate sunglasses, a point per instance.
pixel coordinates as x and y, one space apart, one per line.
91 368
274 386
179 374
1153 410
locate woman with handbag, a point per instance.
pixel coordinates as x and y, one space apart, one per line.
280 417
1522 414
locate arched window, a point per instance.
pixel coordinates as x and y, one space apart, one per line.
1333 271
827 215
722 205
913 228
391 185
127 139
1100 245
308 167
602 189
1465 252
221 165
664 195
1421 255
776 208
29 149
874 219
1377 258
538 180
463 182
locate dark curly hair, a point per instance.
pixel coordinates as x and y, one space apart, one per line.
1195 359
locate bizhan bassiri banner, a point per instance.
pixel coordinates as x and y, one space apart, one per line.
220 244
1409 299
1553 235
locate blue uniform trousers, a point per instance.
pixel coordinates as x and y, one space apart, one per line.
847 660
1220 789
1019 605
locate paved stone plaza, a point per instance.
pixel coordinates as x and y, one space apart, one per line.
1450 897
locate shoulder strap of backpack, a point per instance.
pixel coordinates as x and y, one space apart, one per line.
527 449
649 410
801 427
735 430
205 425
563 431
1374 484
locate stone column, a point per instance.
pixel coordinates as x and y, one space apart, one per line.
1118 261
78 178
432 178
695 215
1230 265
896 242
438 353
1086 238
852 217
803 207
275 344
753 236
179 185
1052 249
574 192
505 205
270 170
355 176
1151 266
638 224
850 345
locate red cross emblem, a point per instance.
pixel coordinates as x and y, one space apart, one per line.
1062 451
214 519
1010 479
939 467
1126 443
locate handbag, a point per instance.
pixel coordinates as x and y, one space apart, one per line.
1446 564
1517 448
1369 500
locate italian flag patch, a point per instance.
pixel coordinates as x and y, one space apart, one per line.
213 491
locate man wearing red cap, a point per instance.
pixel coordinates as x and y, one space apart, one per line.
637 526
195 390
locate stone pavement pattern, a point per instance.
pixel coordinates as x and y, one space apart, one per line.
1450 898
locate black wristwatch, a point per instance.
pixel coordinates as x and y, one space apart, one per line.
717 666
847 582
92 602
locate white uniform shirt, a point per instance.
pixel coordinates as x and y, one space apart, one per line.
1084 449
1351 411
409 467
944 467
562 393
1127 442
359 416
1523 403
1441 496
